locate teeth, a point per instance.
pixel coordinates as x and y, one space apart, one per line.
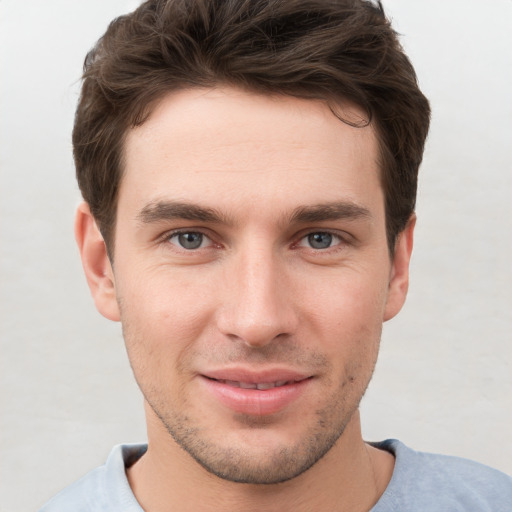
266 385
253 385
248 385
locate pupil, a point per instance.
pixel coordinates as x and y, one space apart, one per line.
190 240
320 240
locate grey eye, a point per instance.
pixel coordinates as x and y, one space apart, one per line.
320 240
192 240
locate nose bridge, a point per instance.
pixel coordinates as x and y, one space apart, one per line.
257 307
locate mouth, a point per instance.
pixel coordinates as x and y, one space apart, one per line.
256 394
262 386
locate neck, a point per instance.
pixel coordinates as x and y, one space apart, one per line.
350 477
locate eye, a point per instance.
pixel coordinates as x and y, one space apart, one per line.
189 240
320 240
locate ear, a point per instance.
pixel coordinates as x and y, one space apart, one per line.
399 276
96 264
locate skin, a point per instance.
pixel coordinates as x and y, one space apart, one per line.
277 283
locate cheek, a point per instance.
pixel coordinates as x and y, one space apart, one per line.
349 305
350 320
167 301
162 318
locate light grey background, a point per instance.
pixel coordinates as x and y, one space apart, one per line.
444 380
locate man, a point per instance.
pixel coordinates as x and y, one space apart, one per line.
249 173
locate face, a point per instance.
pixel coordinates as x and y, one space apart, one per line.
252 277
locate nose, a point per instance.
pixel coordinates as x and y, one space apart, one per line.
257 302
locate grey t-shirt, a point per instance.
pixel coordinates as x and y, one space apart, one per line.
421 482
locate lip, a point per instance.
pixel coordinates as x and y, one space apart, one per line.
222 385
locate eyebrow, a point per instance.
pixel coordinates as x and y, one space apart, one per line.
168 210
330 211
157 211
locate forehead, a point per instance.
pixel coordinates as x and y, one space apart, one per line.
235 148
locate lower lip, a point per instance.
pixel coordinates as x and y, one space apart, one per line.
255 401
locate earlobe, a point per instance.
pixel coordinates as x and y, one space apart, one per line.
399 276
96 264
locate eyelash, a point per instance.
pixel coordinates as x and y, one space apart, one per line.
175 234
333 235
342 240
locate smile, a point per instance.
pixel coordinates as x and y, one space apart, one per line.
257 385
256 395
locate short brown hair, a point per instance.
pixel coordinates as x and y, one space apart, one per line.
332 50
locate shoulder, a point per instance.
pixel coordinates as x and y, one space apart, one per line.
429 482
104 489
